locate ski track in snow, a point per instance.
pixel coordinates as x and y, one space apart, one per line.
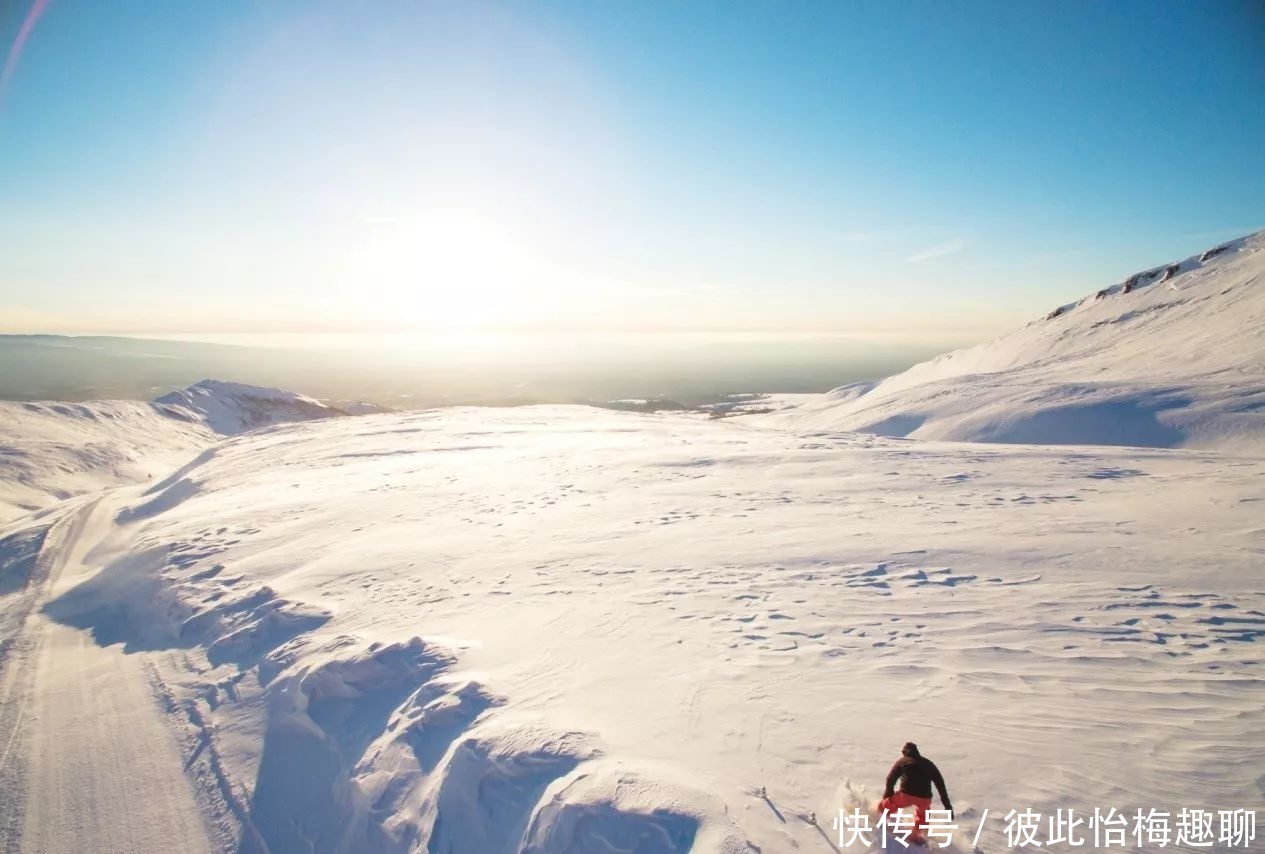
87 762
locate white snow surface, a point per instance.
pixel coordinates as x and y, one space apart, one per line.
567 629
50 451
53 451
1175 362
572 630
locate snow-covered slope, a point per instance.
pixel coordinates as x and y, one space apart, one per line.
1173 356
231 408
50 451
568 630
563 630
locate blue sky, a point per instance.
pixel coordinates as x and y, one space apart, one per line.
917 168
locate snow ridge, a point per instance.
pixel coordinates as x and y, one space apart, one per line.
1170 357
1160 274
232 408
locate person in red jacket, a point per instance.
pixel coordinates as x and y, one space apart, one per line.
916 774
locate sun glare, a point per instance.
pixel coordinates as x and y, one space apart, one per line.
456 271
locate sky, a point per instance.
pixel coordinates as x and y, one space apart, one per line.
352 166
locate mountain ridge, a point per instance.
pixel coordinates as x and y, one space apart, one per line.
1168 357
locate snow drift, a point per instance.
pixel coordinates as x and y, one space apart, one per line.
1170 357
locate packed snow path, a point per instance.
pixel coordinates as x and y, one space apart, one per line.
87 762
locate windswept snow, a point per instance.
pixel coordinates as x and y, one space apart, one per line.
1171 357
568 630
563 629
50 451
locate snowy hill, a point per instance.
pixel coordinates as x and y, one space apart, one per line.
231 408
1173 356
50 451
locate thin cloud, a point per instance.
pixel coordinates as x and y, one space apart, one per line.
938 251
19 42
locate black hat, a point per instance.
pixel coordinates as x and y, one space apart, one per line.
910 749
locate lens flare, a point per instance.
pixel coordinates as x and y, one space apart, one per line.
19 42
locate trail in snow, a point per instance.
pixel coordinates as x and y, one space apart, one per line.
86 760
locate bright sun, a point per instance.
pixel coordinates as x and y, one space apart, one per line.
455 271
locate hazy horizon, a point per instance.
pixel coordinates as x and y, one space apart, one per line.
486 368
